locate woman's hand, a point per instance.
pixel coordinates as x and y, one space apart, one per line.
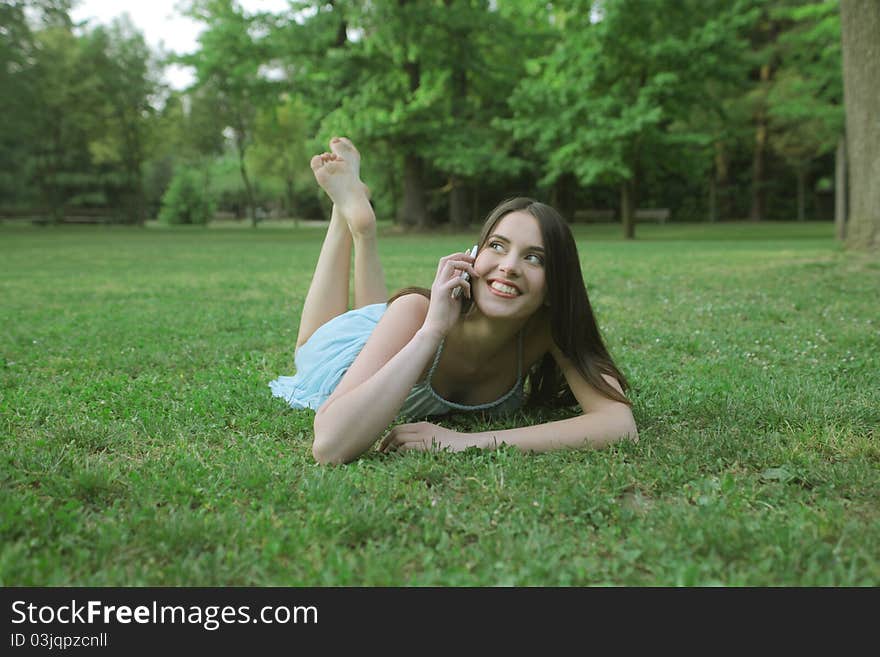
444 310
424 436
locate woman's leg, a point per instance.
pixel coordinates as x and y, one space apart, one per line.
328 292
369 279
352 222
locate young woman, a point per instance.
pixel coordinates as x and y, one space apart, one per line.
522 326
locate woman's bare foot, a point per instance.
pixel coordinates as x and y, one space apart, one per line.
338 174
343 147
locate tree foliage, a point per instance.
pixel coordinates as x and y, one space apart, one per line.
125 87
616 94
712 108
78 106
228 63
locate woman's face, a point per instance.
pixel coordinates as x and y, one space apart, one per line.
510 263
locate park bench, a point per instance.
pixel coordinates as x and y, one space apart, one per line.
43 216
594 215
83 215
660 215
652 214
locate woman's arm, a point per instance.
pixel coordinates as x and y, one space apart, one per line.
595 429
373 390
604 421
400 348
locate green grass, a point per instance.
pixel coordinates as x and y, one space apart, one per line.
140 445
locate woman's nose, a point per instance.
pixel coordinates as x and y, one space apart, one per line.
509 266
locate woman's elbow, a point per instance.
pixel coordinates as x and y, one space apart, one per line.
325 448
632 432
321 453
628 429
327 454
620 424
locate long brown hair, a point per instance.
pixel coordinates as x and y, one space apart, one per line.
573 325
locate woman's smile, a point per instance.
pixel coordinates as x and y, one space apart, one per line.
504 289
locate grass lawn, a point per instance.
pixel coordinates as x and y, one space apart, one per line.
140 445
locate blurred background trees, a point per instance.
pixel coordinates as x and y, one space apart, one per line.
704 110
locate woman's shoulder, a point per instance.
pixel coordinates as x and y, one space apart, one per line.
406 310
409 301
411 291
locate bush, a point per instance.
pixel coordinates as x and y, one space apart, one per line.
187 200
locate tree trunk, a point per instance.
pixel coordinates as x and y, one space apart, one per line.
562 196
140 199
801 192
50 185
249 192
413 211
252 211
758 160
292 210
840 189
722 182
860 27
458 203
458 211
341 35
756 213
134 201
713 200
627 209
392 180
134 166
475 212
341 38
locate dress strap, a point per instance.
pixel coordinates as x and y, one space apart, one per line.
434 364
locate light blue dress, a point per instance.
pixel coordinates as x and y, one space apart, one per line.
326 356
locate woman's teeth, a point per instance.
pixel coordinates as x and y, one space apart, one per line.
504 289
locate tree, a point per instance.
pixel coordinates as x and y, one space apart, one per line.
18 96
123 64
805 103
393 92
231 54
56 100
280 149
764 36
187 131
724 117
426 97
75 105
602 105
65 112
860 27
485 53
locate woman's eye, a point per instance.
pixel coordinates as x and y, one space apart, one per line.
534 258
497 246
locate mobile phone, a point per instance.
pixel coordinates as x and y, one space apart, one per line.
464 275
